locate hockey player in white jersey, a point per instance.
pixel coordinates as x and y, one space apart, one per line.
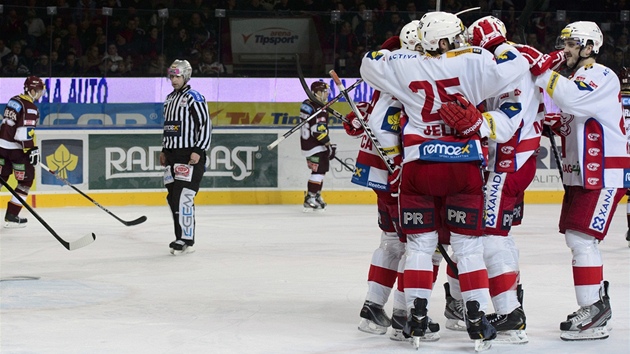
512 148
383 113
594 159
441 182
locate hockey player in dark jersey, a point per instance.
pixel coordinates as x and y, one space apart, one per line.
18 152
316 147
625 100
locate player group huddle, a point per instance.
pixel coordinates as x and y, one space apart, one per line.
461 112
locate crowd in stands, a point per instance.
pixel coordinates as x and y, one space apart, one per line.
79 39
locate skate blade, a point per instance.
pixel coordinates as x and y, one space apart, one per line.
511 337
187 250
587 334
397 335
455 325
482 345
368 326
311 210
14 225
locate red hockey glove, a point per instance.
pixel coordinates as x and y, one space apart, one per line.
332 151
554 122
394 178
462 116
353 127
391 43
551 61
394 181
487 35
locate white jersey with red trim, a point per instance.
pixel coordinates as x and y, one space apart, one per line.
384 117
519 116
594 137
423 83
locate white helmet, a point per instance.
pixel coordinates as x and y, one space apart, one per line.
180 68
438 25
582 32
495 22
409 35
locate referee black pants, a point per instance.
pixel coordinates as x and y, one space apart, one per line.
181 193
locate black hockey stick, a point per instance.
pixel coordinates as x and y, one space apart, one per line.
556 154
311 95
350 168
137 221
379 148
70 246
448 259
303 122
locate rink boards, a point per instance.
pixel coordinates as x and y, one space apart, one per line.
121 167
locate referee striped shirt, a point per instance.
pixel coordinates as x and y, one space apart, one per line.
187 122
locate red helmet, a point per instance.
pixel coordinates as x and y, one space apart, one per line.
624 77
319 86
33 83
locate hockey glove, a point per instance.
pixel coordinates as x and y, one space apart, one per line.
487 35
394 181
462 116
33 155
391 43
394 178
551 61
332 151
554 122
353 127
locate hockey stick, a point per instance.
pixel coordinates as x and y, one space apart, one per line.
137 221
70 246
379 148
467 10
311 95
350 168
556 154
303 122
448 259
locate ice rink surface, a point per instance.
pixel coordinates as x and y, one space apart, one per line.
264 279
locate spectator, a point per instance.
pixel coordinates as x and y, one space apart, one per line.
42 67
157 66
346 42
208 66
3 49
72 40
35 28
411 12
12 27
90 62
70 67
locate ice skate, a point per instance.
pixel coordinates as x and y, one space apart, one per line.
13 221
453 311
180 247
374 320
399 319
478 327
320 200
311 202
416 326
589 322
510 328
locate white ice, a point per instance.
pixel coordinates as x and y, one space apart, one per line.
264 279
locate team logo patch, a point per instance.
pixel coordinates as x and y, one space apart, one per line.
511 109
445 151
15 105
604 206
582 86
374 55
462 217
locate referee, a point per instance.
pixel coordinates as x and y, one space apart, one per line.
186 137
